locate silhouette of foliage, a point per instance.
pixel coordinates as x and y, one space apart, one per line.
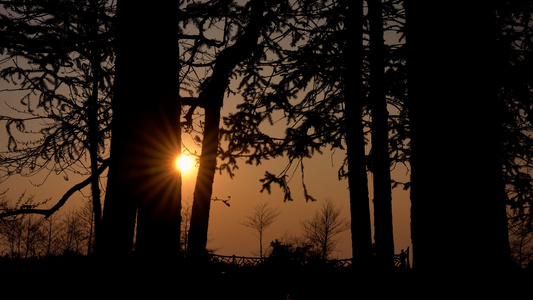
285 253
298 82
50 54
514 21
58 56
211 98
291 78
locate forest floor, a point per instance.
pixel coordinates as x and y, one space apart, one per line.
89 278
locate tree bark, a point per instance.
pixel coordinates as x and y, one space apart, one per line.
457 204
383 234
355 143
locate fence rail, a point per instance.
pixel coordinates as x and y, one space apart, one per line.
400 261
240 261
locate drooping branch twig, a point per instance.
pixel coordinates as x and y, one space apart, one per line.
193 102
48 212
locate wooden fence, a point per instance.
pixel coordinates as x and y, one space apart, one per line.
400 261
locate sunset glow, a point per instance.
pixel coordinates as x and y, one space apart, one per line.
185 163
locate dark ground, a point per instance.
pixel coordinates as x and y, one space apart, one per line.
82 277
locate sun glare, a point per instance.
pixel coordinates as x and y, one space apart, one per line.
185 163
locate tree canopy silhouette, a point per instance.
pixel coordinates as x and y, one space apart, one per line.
59 62
90 85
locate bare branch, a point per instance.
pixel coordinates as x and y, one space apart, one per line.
48 212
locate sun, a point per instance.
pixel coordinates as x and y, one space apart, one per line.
185 163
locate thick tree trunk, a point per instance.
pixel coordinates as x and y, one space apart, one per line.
146 133
458 208
383 235
357 176
120 207
159 134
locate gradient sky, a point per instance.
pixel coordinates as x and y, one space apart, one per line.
227 235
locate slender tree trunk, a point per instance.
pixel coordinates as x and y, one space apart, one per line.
212 98
204 183
90 246
357 176
457 202
95 184
93 129
261 245
383 235
325 244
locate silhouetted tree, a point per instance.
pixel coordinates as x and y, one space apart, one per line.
287 252
51 229
58 56
30 236
514 22
211 99
461 109
146 133
317 80
262 218
355 143
321 230
380 166
310 54
73 236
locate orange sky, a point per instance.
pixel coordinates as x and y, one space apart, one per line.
321 181
226 234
